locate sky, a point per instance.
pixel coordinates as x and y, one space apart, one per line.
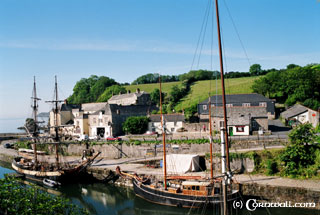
124 39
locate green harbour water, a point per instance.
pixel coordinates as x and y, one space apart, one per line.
106 199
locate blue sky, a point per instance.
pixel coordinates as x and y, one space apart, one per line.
124 39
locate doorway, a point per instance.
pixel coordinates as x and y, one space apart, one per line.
100 132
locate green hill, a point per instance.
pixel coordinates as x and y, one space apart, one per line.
200 89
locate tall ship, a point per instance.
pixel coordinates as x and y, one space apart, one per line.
44 171
193 191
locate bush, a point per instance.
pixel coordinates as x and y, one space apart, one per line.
136 125
17 198
272 167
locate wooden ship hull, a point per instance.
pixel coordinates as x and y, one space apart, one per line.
171 197
63 175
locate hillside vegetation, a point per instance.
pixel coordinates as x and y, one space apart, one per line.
200 89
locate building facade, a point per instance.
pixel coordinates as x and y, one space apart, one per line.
237 100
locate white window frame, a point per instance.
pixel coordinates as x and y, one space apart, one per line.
246 105
263 104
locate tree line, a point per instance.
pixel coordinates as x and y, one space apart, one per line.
291 85
95 89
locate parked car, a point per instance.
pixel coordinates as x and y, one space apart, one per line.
110 138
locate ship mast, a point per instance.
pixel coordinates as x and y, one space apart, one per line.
225 209
210 136
56 127
163 139
35 132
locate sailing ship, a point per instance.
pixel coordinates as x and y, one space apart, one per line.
199 192
32 169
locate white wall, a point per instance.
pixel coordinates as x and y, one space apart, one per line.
246 130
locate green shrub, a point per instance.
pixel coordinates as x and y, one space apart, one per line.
271 167
17 198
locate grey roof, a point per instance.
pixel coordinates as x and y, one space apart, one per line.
235 112
240 115
294 111
238 98
126 96
69 107
93 106
167 117
125 110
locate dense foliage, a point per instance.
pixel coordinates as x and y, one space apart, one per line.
155 96
135 125
89 89
17 198
299 156
154 78
110 91
292 85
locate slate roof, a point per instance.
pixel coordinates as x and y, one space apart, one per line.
69 107
240 115
125 110
238 111
167 118
93 106
295 110
238 98
126 96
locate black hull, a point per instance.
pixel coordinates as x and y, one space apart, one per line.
178 199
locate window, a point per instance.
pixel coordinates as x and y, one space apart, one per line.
229 105
263 104
204 107
94 120
240 128
221 124
246 105
100 120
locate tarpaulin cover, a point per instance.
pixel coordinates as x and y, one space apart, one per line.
182 163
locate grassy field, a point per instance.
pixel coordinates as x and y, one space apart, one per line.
166 87
200 89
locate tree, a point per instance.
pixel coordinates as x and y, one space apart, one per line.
302 134
136 125
89 89
299 154
100 86
110 91
155 96
291 66
299 84
255 70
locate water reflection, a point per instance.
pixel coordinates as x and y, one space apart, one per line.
107 199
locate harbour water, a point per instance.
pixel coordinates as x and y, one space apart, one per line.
108 199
